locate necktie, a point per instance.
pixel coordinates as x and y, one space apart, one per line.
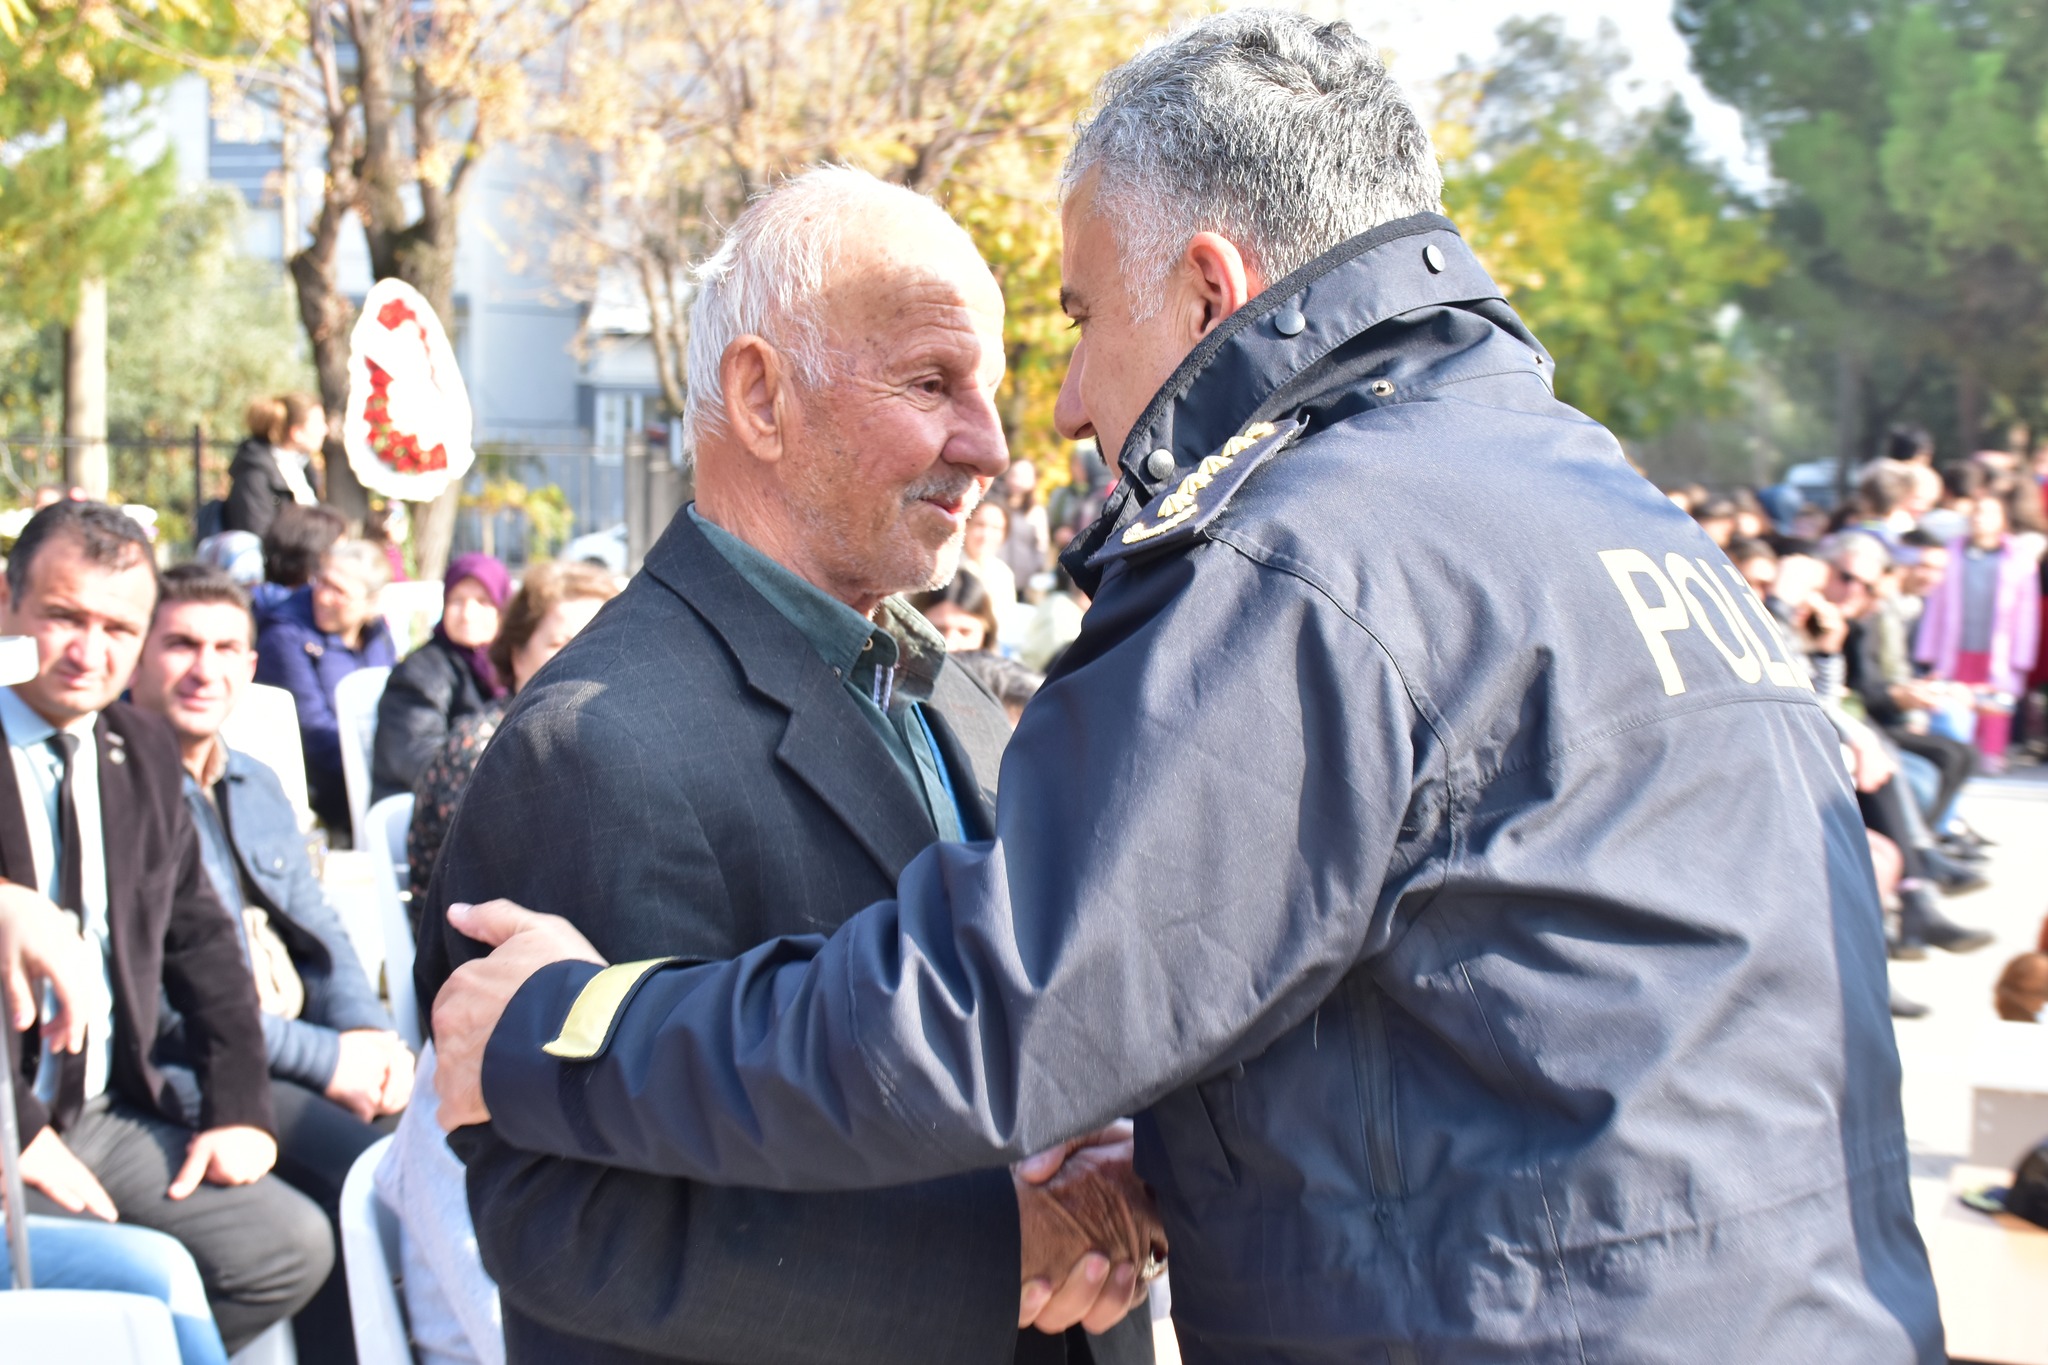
70 896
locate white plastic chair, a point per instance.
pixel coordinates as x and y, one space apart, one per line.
355 714
370 1254
274 1347
87 1325
265 726
384 828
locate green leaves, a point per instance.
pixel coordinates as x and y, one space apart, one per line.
1622 250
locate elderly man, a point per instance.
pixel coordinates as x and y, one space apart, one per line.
1481 919
755 739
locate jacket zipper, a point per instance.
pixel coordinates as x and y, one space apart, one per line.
1376 1084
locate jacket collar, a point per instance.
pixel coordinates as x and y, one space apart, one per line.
1256 365
828 744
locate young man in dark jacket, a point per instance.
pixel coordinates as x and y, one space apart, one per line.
336 1066
97 825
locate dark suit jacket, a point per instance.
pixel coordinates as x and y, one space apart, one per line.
689 778
166 931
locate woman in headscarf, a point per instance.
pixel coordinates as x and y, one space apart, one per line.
447 678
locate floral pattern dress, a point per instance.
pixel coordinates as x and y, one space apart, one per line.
438 792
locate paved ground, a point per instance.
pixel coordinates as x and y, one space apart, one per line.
1937 1051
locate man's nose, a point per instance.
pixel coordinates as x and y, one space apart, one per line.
981 446
1069 414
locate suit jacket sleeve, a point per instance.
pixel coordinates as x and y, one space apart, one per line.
208 982
1193 844
659 1264
23 1053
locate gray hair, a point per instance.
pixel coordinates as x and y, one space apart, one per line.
1284 134
362 561
766 278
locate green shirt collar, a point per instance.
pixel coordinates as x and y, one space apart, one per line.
899 638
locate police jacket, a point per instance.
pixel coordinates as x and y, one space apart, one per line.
1427 836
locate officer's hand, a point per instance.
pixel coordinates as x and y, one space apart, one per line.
474 998
1091 1237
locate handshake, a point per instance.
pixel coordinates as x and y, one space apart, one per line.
1092 1241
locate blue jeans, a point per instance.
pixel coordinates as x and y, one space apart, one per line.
78 1253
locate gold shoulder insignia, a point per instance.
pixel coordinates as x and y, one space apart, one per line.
1179 505
588 1029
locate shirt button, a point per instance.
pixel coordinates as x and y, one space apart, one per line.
1160 464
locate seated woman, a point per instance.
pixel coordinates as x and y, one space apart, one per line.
450 1303
556 601
447 678
964 611
312 639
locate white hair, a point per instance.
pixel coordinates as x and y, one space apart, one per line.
767 276
1282 133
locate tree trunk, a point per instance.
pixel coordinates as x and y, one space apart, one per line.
85 391
1969 408
326 315
1848 419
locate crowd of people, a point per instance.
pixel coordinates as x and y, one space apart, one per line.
1917 607
286 592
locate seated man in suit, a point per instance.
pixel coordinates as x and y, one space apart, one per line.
336 1065
97 825
753 740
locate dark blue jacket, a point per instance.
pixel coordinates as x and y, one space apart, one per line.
1427 833
295 654
256 855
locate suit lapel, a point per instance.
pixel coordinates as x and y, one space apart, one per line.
119 813
828 744
17 856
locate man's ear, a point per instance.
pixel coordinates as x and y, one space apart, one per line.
1216 280
752 377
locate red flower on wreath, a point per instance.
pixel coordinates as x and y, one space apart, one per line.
398 449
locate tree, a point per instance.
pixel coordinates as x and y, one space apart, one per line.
1910 140
1625 253
680 110
74 204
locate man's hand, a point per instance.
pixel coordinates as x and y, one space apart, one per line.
397 1078
48 1165
364 1074
1089 1230
40 945
225 1156
474 998
1873 762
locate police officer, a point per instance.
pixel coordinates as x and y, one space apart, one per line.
1428 837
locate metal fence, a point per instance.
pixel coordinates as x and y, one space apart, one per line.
606 490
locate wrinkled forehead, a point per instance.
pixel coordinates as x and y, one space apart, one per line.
889 289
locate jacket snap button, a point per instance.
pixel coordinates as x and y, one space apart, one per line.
1289 322
1433 257
1159 464
277 864
1383 388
